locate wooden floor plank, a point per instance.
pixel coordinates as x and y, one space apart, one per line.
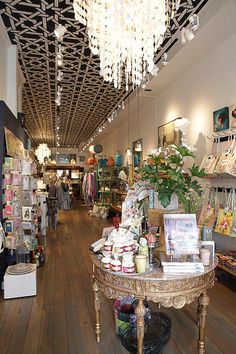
60 319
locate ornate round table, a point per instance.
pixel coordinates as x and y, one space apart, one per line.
167 290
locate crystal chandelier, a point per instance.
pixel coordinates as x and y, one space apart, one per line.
42 152
125 34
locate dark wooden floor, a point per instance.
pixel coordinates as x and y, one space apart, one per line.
60 319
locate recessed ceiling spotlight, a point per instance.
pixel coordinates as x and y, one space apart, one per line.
109 119
59 32
194 22
164 59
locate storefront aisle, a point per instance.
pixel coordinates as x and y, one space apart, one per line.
60 319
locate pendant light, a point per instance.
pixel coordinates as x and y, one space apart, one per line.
128 149
138 144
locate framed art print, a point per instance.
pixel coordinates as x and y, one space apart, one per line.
181 234
167 135
26 213
232 116
221 119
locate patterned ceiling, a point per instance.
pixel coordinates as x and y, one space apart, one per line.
86 99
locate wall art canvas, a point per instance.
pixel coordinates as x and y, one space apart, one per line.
167 135
232 116
14 146
65 158
221 119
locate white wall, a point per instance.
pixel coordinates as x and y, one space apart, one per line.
141 125
203 87
11 76
206 85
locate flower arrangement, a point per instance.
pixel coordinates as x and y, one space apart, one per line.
166 176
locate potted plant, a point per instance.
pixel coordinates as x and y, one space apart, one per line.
166 176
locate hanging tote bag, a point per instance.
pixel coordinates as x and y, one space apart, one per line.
226 216
209 210
225 157
231 166
210 160
232 232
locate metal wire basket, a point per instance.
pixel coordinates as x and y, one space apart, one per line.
157 335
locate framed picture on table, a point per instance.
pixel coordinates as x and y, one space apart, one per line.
181 234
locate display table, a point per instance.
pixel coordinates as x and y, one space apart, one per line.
169 291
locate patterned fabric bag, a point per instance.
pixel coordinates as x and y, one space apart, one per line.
231 166
225 157
225 217
210 160
209 210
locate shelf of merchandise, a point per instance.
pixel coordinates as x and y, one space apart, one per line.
118 197
226 269
107 177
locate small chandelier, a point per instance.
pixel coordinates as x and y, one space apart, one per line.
42 152
125 34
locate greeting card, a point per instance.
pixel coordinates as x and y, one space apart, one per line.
8 195
8 226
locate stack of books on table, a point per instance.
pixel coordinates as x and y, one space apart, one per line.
182 267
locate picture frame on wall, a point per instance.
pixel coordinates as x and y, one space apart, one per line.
168 135
232 116
221 119
81 158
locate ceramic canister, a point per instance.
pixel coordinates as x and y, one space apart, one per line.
108 246
116 265
106 262
118 159
205 256
128 246
141 263
128 267
118 248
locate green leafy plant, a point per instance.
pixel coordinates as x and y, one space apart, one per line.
166 176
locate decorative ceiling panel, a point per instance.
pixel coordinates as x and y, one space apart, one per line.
86 99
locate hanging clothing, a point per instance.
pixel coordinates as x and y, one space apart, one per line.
60 194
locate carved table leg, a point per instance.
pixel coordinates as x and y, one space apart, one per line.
203 301
96 294
140 312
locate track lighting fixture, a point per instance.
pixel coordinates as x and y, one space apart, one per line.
59 60
154 70
59 32
59 75
59 57
186 35
58 100
164 59
194 22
